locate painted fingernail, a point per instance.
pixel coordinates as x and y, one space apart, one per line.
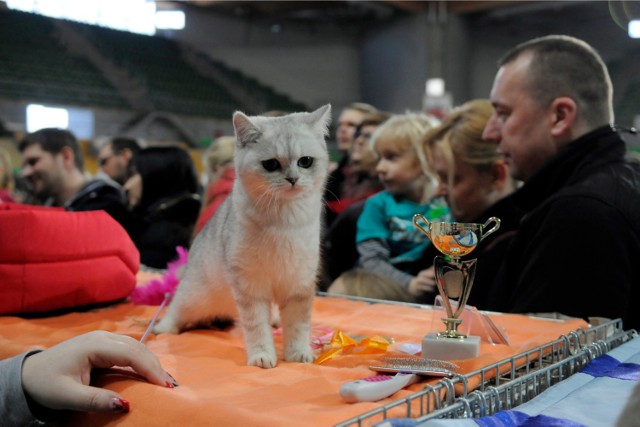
173 381
119 405
169 384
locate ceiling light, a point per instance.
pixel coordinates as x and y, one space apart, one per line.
634 29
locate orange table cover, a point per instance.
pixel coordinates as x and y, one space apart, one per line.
217 388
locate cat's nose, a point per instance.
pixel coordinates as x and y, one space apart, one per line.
292 181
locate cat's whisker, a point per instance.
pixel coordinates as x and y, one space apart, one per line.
334 195
265 199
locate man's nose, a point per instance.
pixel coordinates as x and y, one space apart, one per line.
491 131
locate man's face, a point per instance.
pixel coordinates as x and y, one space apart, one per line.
347 123
43 170
114 165
519 126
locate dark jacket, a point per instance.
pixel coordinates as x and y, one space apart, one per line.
164 226
492 250
333 188
100 194
339 251
577 251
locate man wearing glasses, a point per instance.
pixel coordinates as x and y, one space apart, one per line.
114 157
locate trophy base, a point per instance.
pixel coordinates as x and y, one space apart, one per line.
443 348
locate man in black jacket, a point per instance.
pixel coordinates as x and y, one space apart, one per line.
54 166
578 247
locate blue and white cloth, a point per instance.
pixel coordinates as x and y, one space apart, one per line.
593 397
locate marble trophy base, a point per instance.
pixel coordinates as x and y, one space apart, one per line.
443 348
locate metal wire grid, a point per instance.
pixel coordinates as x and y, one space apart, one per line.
507 383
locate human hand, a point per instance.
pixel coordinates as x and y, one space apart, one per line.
424 282
58 378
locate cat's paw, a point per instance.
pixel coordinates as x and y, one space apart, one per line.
166 326
263 359
300 355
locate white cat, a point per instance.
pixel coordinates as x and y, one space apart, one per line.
262 246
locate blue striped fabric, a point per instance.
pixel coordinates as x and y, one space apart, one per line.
593 397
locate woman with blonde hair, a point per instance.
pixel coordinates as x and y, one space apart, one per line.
472 176
475 182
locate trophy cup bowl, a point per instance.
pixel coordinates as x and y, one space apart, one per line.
454 280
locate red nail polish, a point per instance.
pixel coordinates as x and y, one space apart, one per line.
119 405
173 380
168 384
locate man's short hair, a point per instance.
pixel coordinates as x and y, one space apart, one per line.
53 140
121 143
567 66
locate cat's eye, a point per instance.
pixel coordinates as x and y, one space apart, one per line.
305 162
271 165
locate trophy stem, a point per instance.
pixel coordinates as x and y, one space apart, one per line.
452 328
454 280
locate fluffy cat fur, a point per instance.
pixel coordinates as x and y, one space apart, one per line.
262 246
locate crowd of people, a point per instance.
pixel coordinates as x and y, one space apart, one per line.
153 192
542 154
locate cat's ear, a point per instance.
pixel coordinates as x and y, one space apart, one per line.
246 131
320 119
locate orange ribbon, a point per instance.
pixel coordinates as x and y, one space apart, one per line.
342 343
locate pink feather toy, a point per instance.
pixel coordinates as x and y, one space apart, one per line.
154 291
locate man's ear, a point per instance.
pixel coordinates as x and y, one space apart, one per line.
68 157
127 154
499 175
563 116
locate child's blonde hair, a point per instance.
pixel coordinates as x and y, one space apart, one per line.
405 132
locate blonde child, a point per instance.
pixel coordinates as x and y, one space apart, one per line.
391 249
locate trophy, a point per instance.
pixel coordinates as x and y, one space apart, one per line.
454 278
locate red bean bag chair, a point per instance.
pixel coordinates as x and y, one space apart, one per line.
52 259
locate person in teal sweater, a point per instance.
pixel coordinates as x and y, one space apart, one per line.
391 249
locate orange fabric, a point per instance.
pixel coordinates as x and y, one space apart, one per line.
217 388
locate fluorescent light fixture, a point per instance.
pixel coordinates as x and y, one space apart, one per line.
170 20
435 87
39 116
634 29
137 16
